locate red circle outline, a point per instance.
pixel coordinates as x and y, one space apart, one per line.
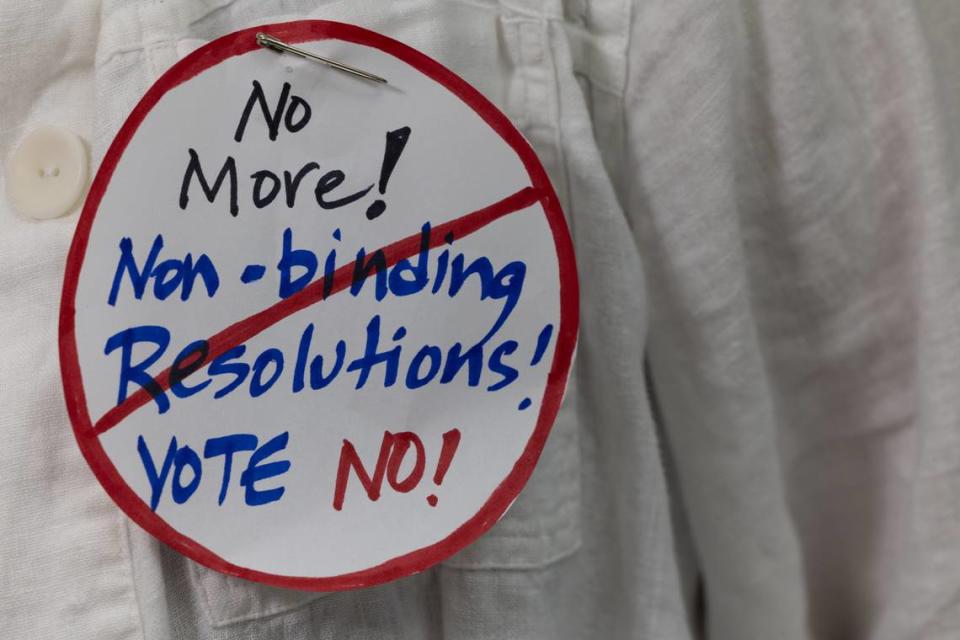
217 51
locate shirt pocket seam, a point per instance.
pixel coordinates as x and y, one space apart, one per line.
534 565
304 598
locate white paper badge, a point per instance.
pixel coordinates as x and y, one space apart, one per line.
315 330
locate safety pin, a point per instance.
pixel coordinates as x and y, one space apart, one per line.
266 40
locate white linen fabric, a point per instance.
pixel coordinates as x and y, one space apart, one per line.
761 439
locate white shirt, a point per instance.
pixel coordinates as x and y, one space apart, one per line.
763 201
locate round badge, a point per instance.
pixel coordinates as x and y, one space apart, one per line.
315 330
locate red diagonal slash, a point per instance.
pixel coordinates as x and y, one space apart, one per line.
241 331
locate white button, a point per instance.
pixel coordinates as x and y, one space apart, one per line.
47 173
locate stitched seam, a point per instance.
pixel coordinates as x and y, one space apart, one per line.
521 52
517 566
223 621
268 613
558 142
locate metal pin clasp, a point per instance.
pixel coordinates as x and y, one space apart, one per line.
266 40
